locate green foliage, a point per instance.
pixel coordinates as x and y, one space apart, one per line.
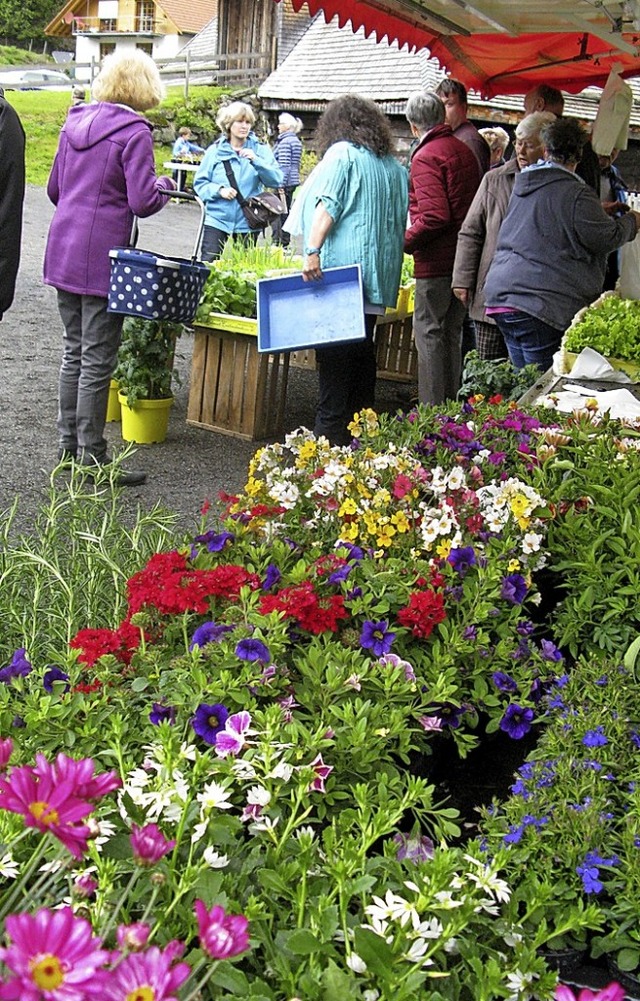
145 359
70 571
11 55
495 378
610 326
25 20
232 283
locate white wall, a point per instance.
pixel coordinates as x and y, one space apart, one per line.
88 46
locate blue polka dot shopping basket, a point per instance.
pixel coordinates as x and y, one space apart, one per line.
154 286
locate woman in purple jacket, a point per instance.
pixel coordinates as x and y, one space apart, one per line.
102 176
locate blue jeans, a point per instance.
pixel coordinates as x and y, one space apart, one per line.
529 341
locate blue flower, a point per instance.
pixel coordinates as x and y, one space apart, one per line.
595 738
209 721
525 628
216 541
462 559
272 576
162 714
449 715
470 633
355 552
253 650
504 682
516 721
208 632
54 674
514 835
514 588
589 875
18 667
375 636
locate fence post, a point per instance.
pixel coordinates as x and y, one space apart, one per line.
186 76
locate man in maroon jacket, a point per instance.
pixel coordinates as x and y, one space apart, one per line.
443 179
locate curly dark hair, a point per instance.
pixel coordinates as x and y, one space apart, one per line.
357 120
564 140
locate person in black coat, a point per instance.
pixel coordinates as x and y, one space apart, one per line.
11 200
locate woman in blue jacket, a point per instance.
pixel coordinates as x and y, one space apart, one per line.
253 168
288 153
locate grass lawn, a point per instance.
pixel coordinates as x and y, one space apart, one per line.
43 113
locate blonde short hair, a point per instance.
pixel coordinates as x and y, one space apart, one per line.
237 111
130 78
496 137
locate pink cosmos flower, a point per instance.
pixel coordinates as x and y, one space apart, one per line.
231 740
133 937
6 750
149 844
52 955
146 975
221 935
80 773
612 992
48 804
322 772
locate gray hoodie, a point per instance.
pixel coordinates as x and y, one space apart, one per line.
552 246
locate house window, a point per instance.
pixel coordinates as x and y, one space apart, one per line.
106 48
145 15
146 47
108 14
107 24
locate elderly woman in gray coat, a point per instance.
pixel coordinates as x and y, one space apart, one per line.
479 233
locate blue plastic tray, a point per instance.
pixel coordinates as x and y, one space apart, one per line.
294 314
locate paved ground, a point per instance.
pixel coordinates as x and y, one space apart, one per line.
193 464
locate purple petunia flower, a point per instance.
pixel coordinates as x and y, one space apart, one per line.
504 682
595 738
470 633
209 721
415 849
272 576
162 714
516 721
448 714
514 588
231 739
549 651
462 559
355 552
340 575
18 667
208 632
54 674
216 541
253 650
525 628
375 636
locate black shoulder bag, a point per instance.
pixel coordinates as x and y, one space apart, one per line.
259 210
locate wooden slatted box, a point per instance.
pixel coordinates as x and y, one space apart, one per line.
234 389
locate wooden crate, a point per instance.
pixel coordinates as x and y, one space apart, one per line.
233 388
396 356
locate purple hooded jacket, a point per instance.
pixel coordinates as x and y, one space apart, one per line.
103 174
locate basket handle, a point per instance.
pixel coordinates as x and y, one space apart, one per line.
188 197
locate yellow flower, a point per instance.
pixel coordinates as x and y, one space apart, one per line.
513 565
347 507
443 548
402 523
308 450
253 487
385 535
382 732
519 505
349 531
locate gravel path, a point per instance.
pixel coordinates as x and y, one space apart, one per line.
193 464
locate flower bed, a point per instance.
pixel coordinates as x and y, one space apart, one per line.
253 703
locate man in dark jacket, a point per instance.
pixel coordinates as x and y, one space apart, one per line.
11 199
453 95
443 179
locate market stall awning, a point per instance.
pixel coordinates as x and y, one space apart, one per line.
506 46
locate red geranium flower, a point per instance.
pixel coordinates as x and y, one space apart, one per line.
300 602
423 613
95 643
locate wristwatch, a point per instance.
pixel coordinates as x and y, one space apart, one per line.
312 250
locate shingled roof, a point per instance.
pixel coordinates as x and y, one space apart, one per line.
329 61
189 16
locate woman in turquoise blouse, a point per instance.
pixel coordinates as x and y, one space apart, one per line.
352 210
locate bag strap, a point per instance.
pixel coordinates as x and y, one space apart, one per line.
231 177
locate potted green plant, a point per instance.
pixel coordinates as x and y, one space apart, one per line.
144 374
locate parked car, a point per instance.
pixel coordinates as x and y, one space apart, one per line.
34 79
